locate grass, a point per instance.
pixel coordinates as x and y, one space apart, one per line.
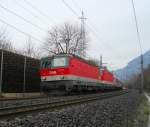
140 118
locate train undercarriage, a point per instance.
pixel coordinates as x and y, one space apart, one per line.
67 87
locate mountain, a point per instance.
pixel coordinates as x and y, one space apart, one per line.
133 67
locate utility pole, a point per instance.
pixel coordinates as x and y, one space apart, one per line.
101 61
140 46
24 76
1 72
142 75
83 18
101 64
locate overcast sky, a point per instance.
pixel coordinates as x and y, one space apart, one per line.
110 24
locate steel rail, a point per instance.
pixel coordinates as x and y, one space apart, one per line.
21 98
55 105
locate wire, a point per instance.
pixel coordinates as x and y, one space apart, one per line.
91 28
17 29
76 5
6 9
101 40
137 27
66 4
30 12
26 34
36 9
140 45
73 11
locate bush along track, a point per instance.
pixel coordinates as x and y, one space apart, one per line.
112 112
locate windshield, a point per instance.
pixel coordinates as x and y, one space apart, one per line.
55 62
59 62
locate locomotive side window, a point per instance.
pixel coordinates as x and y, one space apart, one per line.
45 64
59 62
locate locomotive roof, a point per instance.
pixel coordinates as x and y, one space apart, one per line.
64 54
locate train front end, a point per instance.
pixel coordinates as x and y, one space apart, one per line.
53 72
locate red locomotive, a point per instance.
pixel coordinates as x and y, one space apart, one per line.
71 73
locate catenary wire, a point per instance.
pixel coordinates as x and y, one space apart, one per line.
24 19
76 5
38 10
93 31
17 29
24 33
66 4
72 10
30 12
90 27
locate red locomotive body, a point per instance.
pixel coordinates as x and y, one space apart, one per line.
73 73
80 68
107 76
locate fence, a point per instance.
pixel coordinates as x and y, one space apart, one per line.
18 73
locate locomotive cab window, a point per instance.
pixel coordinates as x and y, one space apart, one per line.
60 62
45 64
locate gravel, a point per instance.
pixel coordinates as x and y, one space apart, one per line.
112 112
24 102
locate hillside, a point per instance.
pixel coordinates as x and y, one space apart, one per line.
133 67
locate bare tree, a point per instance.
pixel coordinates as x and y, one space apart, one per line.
65 39
30 50
5 43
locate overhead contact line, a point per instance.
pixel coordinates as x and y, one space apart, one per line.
24 33
24 19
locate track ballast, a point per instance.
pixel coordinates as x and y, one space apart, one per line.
57 103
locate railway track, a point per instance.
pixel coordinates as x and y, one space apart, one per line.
56 104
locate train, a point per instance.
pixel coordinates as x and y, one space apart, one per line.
69 72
